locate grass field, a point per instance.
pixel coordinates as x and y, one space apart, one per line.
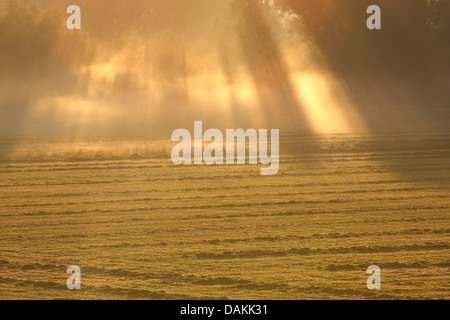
141 228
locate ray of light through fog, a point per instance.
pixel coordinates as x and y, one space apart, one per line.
148 67
92 174
151 66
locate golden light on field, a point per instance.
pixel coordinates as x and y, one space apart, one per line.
87 170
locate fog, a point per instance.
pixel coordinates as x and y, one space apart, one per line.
148 67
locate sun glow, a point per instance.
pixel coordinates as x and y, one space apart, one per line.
325 102
246 67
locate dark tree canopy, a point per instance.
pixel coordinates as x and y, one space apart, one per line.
412 48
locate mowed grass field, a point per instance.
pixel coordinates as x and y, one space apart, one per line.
140 227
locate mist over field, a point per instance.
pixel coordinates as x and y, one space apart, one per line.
141 228
86 176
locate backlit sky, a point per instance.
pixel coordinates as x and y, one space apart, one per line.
141 67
